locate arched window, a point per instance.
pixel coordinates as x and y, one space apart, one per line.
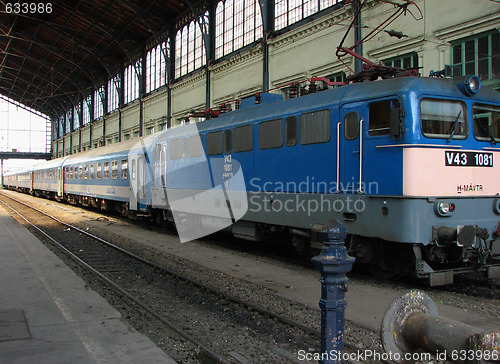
156 69
288 12
190 51
113 89
77 110
98 100
69 121
131 84
87 103
237 24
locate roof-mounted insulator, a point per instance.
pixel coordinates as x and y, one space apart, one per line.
225 108
313 88
258 98
237 104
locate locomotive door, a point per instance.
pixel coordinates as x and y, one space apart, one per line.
350 151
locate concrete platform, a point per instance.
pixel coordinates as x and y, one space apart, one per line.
48 315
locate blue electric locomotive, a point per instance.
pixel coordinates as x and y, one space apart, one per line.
409 165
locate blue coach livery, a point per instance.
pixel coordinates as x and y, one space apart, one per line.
409 165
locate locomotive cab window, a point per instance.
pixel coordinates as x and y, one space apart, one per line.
443 119
315 127
242 138
380 115
271 134
486 123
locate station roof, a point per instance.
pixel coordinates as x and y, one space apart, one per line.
53 55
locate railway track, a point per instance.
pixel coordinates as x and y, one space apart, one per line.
189 308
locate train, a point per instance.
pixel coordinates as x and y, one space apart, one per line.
409 165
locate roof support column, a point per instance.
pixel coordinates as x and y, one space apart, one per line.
121 98
267 11
169 64
358 64
141 73
80 125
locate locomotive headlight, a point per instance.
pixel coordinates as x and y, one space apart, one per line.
496 206
471 85
444 208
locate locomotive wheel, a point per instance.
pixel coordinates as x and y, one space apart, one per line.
300 245
380 273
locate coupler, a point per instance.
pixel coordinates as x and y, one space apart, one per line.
411 324
333 262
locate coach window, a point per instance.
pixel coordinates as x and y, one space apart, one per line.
228 141
99 171
486 119
86 171
80 172
175 148
70 172
106 170
92 171
242 139
380 115
271 134
195 146
291 131
114 169
443 119
66 172
124 169
315 127
351 125
214 143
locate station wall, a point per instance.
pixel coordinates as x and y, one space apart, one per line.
297 54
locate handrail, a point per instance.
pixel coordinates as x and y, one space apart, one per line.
338 156
361 155
418 146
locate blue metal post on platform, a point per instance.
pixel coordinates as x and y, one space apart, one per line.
333 262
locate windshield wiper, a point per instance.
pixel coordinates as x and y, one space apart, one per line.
454 127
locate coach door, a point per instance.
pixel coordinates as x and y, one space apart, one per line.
141 182
137 182
60 180
350 151
133 183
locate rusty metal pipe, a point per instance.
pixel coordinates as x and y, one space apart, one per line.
411 324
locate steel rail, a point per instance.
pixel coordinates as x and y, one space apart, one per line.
217 357
231 298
